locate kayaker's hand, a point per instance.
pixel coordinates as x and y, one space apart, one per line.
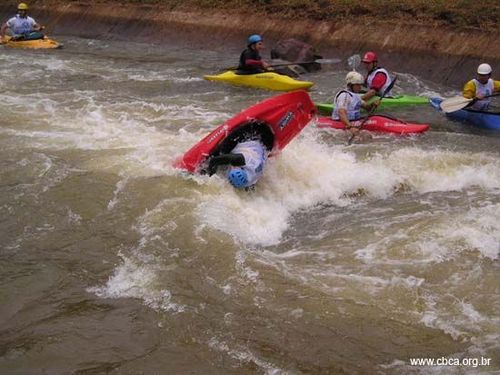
266 65
354 130
480 96
212 168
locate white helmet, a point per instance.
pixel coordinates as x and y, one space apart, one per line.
484 69
354 78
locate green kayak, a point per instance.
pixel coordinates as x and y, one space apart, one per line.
387 102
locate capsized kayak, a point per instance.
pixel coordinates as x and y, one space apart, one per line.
31 44
481 119
276 121
387 102
268 81
377 123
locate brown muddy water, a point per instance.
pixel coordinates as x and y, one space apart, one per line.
344 260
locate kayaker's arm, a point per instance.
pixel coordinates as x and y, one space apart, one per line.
253 62
369 94
370 107
378 82
496 86
3 30
469 90
345 120
257 63
236 160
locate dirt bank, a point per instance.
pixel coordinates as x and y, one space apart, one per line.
434 51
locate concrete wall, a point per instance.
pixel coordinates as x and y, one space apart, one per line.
439 54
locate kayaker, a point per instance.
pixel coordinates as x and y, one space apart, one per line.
21 26
246 163
377 78
250 60
480 87
347 103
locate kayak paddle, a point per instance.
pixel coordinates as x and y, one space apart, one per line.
459 102
320 61
373 108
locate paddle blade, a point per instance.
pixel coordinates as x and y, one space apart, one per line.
324 61
454 104
354 62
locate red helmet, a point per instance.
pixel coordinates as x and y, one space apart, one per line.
369 57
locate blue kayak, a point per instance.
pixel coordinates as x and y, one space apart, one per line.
482 119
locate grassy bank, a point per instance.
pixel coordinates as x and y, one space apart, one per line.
462 14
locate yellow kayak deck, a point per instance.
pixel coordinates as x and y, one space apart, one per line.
31 44
267 80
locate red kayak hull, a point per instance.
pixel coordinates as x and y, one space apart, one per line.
377 123
283 117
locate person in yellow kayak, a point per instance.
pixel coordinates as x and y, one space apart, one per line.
21 26
250 60
377 78
348 103
481 88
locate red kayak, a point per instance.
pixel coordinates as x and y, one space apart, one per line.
276 121
377 123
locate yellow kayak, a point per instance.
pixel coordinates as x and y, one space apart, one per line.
267 80
32 44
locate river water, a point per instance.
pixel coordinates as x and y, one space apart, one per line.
345 259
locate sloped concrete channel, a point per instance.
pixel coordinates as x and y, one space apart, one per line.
443 55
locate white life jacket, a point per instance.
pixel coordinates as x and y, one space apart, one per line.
487 89
372 74
19 26
255 155
350 101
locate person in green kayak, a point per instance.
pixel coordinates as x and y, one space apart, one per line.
481 88
348 103
377 78
21 26
250 60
